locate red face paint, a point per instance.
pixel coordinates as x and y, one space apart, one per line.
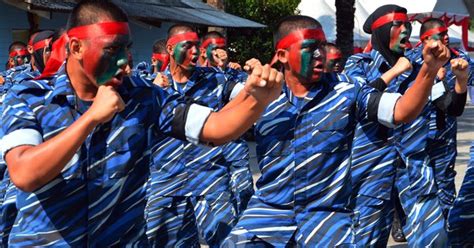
217 42
398 38
438 33
333 61
210 45
105 55
162 61
306 52
185 52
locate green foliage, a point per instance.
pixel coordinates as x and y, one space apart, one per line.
256 43
471 24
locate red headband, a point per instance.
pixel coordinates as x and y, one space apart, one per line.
433 31
162 57
333 56
302 34
41 44
20 52
390 17
188 36
217 41
58 53
99 29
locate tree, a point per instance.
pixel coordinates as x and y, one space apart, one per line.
345 26
256 43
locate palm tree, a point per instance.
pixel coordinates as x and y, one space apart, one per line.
345 26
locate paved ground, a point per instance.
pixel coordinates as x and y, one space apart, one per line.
465 136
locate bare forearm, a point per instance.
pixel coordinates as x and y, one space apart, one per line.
33 166
231 122
410 105
461 86
236 101
388 76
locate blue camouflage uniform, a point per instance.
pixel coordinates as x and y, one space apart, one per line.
189 194
391 161
461 214
98 200
144 68
11 74
237 154
7 189
443 129
303 148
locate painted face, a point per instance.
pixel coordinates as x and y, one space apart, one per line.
306 59
19 56
160 61
333 60
186 54
399 36
210 51
442 36
106 58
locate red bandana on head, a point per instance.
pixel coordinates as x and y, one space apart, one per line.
19 52
41 44
390 17
432 31
163 57
220 42
58 53
177 38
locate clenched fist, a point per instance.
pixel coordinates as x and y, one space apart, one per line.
161 80
435 55
264 83
460 68
402 65
106 104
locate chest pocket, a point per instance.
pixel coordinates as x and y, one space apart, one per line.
127 147
330 131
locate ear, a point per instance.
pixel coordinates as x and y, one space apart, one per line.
282 56
30 49
202 52
169 49
76 48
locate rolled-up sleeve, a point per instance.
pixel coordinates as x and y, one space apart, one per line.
182 118
375 105
19 123
20 137
386 108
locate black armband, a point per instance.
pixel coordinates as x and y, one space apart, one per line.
378 84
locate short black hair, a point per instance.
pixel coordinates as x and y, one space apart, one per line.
16 45
159 46
212 34
180 28
431 23
291 23
93 11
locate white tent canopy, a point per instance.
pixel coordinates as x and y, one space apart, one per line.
325 12
451 10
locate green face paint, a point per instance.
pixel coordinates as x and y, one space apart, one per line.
185 53
304 56
106 57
